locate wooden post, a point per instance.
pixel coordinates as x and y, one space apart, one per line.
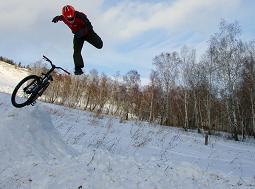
206 138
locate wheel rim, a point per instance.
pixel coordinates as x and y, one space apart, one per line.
26 91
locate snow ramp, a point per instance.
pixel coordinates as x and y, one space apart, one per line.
28 133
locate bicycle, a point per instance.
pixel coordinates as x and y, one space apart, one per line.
32 87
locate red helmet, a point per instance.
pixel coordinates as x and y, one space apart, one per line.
68 12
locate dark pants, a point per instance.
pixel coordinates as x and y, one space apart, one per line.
91 38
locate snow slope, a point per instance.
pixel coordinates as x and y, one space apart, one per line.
103 153
30 133
49 147
10 76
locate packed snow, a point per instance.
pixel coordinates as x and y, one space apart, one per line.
50 146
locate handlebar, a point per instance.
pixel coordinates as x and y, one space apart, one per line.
48 60
63 70
53 66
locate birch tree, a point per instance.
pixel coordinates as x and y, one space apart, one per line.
188 57
167 69
227 49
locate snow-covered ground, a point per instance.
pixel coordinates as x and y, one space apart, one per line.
10 76
52 147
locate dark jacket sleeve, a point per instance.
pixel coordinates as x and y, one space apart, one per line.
86 29
84 18
61 17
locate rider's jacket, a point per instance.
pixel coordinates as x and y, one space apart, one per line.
80 23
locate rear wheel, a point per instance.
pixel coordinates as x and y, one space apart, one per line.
25 93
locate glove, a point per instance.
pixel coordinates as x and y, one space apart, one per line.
56 19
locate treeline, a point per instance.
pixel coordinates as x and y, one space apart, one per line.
11 62
214 93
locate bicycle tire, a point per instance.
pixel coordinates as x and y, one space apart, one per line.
30 99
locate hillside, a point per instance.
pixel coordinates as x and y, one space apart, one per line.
49 146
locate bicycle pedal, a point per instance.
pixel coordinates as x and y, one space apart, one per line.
33 103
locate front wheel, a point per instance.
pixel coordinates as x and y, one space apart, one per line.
26 91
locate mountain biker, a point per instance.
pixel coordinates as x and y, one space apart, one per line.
83 31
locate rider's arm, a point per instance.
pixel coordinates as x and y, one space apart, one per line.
84 18
87 27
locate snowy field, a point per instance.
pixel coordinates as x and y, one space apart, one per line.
54 147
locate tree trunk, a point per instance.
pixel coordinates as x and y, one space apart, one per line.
253 113
168 109
196 112
235 121
151 119
208 109
186 111
232 118
87 103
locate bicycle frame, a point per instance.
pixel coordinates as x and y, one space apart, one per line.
47 76
36 87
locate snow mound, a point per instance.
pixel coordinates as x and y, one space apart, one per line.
10 76
28 134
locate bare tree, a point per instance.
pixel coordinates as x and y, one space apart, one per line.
93 90
188 58
167 69
247 93
132 82
104 90
153 78
227 49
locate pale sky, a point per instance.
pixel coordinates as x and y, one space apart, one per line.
133 31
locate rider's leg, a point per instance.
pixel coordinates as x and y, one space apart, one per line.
94 40
77 46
